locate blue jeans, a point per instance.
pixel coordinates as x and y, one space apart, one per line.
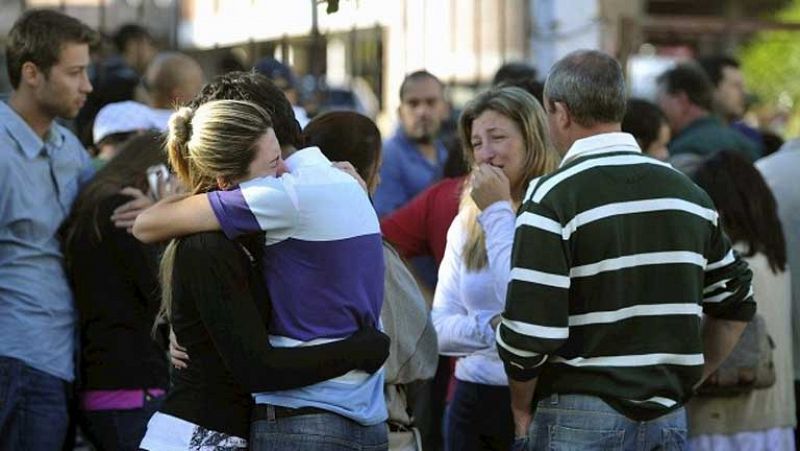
581 422
479 418
120 430
33 408
317 432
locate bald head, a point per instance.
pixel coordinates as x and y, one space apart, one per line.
173 79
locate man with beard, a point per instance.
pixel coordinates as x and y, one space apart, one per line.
413 157
42 166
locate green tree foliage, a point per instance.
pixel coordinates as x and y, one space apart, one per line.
771 62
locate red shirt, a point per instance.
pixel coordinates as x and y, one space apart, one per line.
420 226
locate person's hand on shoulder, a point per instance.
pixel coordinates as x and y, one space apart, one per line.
125 215
347 168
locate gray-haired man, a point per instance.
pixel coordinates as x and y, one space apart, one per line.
616 257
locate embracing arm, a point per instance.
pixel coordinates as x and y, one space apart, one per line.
221 286
175 216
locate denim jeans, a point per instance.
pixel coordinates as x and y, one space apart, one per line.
33 408
317 432
479 418
572 422
122 430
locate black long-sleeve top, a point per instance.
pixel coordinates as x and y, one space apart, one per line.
219 310
117 293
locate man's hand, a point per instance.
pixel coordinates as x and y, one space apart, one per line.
347 167
489 185
125 215
522 422
521 405
177 353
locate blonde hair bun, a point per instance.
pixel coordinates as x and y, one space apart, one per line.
180 125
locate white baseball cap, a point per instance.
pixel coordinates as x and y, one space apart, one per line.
122 117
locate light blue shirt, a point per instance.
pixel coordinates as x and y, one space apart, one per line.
405 172
39 181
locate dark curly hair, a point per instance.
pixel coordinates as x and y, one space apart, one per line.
255 88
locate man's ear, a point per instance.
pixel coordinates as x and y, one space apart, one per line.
563 116
30 74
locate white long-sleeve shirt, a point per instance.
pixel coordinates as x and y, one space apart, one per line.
466 301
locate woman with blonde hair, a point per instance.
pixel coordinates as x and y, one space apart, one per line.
214 297
504 131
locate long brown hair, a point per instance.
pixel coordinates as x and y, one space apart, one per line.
747 208
214 141
540 157
128 168
347 136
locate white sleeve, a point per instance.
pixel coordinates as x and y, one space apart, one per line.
459 331
498 222
262 204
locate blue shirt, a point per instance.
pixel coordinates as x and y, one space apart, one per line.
39 180
405 172
324 270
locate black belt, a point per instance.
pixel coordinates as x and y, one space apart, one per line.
262 412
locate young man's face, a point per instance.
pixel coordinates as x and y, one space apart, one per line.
672 107
729 96
422 109
62 92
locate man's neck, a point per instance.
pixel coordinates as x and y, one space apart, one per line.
691 116
586 132
27 109
429 151
132 60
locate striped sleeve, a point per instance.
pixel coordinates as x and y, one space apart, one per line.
262 204
728 293
536 318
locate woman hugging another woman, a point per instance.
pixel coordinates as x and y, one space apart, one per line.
217 303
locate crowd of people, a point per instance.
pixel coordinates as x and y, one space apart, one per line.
559 266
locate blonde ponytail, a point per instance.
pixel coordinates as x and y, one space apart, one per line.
215 141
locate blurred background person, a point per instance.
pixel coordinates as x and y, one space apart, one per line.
521 75
115 124
730 95
780 172
647 123
171 80
685 95
505 136
414 155
123 369
284 78
116 78
763 418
